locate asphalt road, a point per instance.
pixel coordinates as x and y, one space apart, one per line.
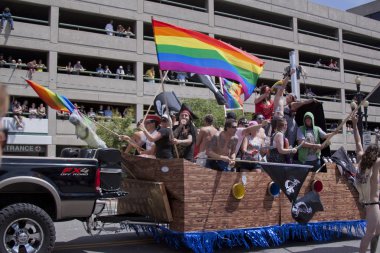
71 237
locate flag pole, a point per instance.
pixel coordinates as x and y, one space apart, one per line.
222 91
168 113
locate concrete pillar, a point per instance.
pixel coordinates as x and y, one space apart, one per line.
140 79
140 36
295 29
139 111
54 23
52 68
52 131
140 6
210 10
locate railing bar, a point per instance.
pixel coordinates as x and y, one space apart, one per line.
92 29
29 19
252 20
318 34
360 44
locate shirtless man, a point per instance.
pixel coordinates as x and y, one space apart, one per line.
204 138
221 149
367 183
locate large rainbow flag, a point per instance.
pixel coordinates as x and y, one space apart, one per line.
232 94
180 49
52 99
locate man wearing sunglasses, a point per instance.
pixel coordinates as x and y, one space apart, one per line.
4 103
221 151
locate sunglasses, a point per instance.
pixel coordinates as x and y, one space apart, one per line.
233 127
260 118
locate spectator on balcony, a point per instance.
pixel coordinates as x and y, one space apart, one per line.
25 107
69 68
41 111
77 68
120 31
109 28
33 111
107 71
63 115
117 114
13 64
100 70
309 93
335 65
331 65
150 74
181 76
91 114
31 66
7 16
2 61
319 64
120 72
19 64
129 33
40 66
129 71
108 113
17 114
100 111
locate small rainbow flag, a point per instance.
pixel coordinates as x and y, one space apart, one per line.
52 99
180 49
232 94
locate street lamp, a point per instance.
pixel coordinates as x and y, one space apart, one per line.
365 105
358 82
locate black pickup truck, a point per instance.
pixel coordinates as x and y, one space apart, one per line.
36 191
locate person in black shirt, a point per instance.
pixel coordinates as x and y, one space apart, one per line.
162 138
185 133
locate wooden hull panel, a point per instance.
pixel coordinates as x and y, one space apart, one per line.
201 199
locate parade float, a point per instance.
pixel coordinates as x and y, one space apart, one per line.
203 209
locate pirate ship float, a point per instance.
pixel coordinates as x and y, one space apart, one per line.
204 208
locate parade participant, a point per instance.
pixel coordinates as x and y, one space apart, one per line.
252 150
151 123
161 138
287 109
367 184
263 103
280 151
310 136
204 137
221 149
4 103
185 134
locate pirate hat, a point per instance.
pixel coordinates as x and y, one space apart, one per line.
186 108
153 117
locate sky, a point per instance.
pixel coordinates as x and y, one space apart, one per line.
341 4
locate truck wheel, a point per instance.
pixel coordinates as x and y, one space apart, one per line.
26 228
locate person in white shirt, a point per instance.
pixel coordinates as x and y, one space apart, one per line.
109 28
120 72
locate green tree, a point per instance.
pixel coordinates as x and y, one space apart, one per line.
201 107
120 126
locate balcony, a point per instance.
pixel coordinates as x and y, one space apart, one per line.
96 40
358 49
14 76
368 83
34 132
329 43
270 30
26 30
96 84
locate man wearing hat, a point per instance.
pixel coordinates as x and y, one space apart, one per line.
161 138
185 134
151 123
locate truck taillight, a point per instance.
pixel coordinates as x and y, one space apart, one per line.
97 181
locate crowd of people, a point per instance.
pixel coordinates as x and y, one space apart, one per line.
20 111
120 72
331 64
120 30
272 135
31 66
